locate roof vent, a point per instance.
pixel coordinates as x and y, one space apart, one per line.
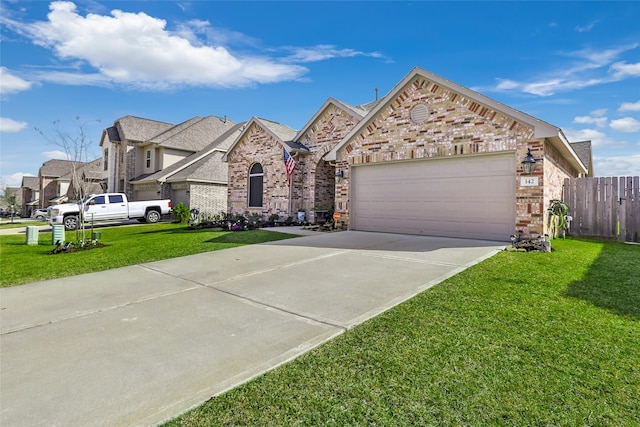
419 113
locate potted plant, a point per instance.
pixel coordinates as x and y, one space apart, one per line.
559 219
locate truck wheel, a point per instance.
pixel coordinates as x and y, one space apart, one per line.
152 216
70 222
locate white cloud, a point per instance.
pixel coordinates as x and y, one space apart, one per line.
10 83
622 69
586 28
137 49
8 125
597 138
617 165
625 124
13 180
588 68
56 154
324 52
598 121
629 106
599 112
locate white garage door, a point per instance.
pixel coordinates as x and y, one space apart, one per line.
470 197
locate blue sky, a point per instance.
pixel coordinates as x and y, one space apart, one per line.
573 64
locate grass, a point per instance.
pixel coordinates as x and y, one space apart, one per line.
522 339
18 223
23 263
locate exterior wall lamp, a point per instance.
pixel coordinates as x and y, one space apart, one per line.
339 175
529 163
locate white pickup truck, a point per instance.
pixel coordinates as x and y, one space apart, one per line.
108 206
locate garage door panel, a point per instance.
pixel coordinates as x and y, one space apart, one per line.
472 197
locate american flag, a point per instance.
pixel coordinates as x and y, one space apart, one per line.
289 164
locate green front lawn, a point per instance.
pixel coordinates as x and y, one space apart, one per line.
522 339
19 223
125 245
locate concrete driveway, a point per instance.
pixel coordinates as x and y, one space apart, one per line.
139 345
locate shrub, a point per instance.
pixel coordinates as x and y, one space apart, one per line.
181 213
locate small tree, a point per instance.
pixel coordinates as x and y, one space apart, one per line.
77 148
10 201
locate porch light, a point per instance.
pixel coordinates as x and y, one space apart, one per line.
339 175
529 163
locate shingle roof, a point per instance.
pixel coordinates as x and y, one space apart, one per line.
112 133
194 134
176 170
207 169
138 129
284 132
57 168
32 182
583 150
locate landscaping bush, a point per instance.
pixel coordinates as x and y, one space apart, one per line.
181 213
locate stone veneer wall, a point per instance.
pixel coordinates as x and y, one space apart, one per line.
455 126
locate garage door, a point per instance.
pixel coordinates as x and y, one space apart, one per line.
470 197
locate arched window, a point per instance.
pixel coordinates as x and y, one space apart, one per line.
255 186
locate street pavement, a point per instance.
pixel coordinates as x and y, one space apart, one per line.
139 345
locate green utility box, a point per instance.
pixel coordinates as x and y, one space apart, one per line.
32 235
57 234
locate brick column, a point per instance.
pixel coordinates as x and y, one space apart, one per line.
530 190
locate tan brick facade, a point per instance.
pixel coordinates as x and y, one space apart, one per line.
258 146
424 117
313 181
455 126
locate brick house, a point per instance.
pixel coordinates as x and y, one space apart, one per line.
257 176
148 159
431 157
30 194
60 181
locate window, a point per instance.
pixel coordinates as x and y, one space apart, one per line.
106 159
255 186
148 159
98 200
115 198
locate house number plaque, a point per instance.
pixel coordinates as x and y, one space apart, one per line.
528 181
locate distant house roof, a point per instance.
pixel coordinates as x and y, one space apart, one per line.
583 150
57 168
139 129
194 134
192 164
31 182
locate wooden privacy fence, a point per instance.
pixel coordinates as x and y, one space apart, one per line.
604 207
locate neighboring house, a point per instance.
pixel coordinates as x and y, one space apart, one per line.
430 158
257 177
30 194
134 149
199 180
62 181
